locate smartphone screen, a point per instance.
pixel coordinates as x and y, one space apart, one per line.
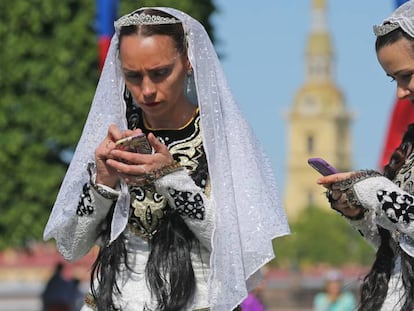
136 143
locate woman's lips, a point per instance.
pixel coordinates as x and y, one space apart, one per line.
152 104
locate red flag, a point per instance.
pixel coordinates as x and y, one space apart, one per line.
402 115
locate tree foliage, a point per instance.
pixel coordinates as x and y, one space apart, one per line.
320 236
49 72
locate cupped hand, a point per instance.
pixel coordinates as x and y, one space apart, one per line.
105 173
135 167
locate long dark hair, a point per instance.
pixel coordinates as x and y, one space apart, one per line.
375 284
169 271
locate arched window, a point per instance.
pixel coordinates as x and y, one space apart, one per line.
310 144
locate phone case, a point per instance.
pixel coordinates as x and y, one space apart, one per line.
137 143
322 166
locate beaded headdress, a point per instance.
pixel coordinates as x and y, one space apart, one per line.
140 18
402 17
381 30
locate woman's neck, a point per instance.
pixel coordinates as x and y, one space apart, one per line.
174 120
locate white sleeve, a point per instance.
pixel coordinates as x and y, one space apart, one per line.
367 227
77 236
190 202
393 207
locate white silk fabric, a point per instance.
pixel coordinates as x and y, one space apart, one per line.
248 213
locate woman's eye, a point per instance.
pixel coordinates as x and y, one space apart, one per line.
132 76
405 78
161 73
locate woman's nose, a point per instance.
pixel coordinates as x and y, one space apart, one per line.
403 92
148 87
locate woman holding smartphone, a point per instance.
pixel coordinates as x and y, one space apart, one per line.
380 206
187 226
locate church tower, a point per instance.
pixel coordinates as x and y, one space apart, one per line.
318 121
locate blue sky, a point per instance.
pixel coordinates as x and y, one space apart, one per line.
264 47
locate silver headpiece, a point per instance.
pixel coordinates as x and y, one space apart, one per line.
137 18
381 30
402 17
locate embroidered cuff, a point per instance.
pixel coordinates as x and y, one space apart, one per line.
102 190
347 187
152 176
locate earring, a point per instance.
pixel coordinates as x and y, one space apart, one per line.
190 87
188 81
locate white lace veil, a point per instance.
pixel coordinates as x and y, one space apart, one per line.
247 206
402 17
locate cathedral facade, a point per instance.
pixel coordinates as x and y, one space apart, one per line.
318 121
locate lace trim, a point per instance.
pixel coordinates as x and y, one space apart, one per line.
347 187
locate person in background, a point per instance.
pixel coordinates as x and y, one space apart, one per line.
77 295
333 298
381 206
56 295
188 225
253 302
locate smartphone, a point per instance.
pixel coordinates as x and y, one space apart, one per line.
135 143
322 166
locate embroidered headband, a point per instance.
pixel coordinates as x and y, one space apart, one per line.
137 18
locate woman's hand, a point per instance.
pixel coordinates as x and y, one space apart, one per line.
328 180
135 167
337 196
105 173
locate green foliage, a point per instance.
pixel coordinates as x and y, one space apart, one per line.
320 236
48 75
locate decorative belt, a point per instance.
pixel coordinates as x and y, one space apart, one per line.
90 302
238 308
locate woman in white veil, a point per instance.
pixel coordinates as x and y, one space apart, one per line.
242 205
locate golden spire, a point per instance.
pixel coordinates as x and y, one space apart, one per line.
319 48
319 4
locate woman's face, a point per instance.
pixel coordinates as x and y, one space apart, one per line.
154 73
397 59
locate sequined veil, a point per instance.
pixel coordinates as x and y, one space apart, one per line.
248 213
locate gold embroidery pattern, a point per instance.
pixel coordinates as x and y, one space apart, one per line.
147 206
147 211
